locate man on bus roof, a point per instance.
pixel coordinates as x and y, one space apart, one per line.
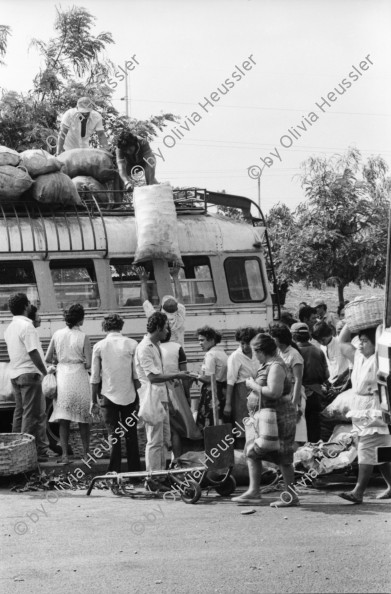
77 126
134 154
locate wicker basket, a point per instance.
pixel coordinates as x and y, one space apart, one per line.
17 453
364 313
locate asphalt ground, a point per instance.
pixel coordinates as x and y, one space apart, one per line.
105 543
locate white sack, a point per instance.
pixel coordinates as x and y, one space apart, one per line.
156 224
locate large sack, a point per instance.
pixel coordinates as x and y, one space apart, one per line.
92 162
9 156
39 162
55 188
13 182
84 184
156 223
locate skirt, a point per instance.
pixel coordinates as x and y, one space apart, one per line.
367 445
205 410
239 406
286 423
181 417
73 394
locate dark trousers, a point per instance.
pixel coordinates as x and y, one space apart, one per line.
113 414
312 416
30 414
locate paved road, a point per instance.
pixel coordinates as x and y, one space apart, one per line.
105 543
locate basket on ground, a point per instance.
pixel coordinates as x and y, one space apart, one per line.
17 453
364 313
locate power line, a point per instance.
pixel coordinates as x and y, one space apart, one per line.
161 101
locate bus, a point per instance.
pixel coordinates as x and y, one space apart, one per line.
84 254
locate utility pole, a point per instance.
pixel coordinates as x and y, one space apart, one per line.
127 110
259 192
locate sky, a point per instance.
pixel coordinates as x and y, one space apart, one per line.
298 51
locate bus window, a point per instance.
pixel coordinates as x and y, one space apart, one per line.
127 283
244 279
75 282
17 277
196 280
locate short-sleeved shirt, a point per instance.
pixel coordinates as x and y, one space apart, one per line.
315 365
336 361
148 360
22 338
215 362
71 118
175 319
240 367
113 363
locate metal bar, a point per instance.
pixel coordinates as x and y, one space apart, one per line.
92 225
6 226
44 232
56 228
69 232
80 227
104 227
19 227
31 227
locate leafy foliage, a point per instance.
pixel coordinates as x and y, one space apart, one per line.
4 33
27 121
339 235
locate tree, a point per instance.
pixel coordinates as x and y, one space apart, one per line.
281 226
340 233
5 31
74 66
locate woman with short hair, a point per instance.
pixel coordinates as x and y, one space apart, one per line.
271 389
292 358
72 350
241 365
215 362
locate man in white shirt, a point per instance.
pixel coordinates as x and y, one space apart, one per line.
338 355
27 368
326 316
151 374
172 307
113 364
77 126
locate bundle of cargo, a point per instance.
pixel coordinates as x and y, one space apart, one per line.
39 162
14 179
9 157
91 162
364 313
86 185
56 189
156 224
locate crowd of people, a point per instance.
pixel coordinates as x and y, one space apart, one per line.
293 367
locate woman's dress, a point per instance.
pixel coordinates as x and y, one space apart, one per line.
181 418
286 414
365 397
215 362
239 368
73 386
292 357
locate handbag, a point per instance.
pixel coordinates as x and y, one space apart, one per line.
267 429
49 386
152 410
